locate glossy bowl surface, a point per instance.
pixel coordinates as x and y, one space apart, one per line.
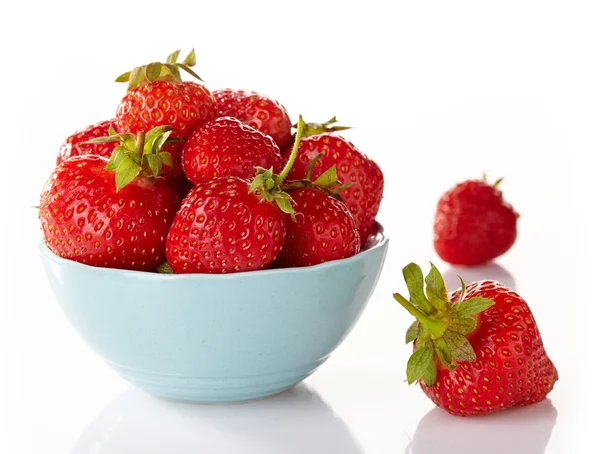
216 338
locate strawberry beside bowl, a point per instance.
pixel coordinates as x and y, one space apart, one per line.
216 338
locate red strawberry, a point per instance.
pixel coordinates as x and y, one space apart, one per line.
323 230
477 350
157 96
227 147
184 186
364 196
75 144
88 218
223 228
473 224
175 171
256 110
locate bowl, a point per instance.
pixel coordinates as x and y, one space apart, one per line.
209 338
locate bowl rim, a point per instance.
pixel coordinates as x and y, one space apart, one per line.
381 243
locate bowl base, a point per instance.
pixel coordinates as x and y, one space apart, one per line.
229 390
202 401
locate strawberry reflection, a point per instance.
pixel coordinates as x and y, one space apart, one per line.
522 430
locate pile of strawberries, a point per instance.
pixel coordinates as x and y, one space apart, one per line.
187 180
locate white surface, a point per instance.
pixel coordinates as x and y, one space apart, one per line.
438 92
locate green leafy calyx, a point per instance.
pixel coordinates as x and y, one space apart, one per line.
164 268
327 181
312 129
169 71
142 154
495 183
268 185
272 188
441 327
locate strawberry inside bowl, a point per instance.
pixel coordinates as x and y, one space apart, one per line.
211 338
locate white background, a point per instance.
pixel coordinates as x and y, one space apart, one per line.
437 92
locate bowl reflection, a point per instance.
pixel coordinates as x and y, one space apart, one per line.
525 430
295 421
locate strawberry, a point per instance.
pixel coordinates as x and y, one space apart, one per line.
323 230
227 147
223 228
473 224
256 110
156 96
76 144
477 350
175 170
364 196
88 218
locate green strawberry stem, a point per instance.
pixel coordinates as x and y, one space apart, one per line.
437 328
441 325
268 185
293 154
140 140
271 187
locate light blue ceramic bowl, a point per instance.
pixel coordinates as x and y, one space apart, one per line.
215 338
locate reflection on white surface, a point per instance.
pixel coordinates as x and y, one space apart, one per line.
297 421
491 271
522 430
